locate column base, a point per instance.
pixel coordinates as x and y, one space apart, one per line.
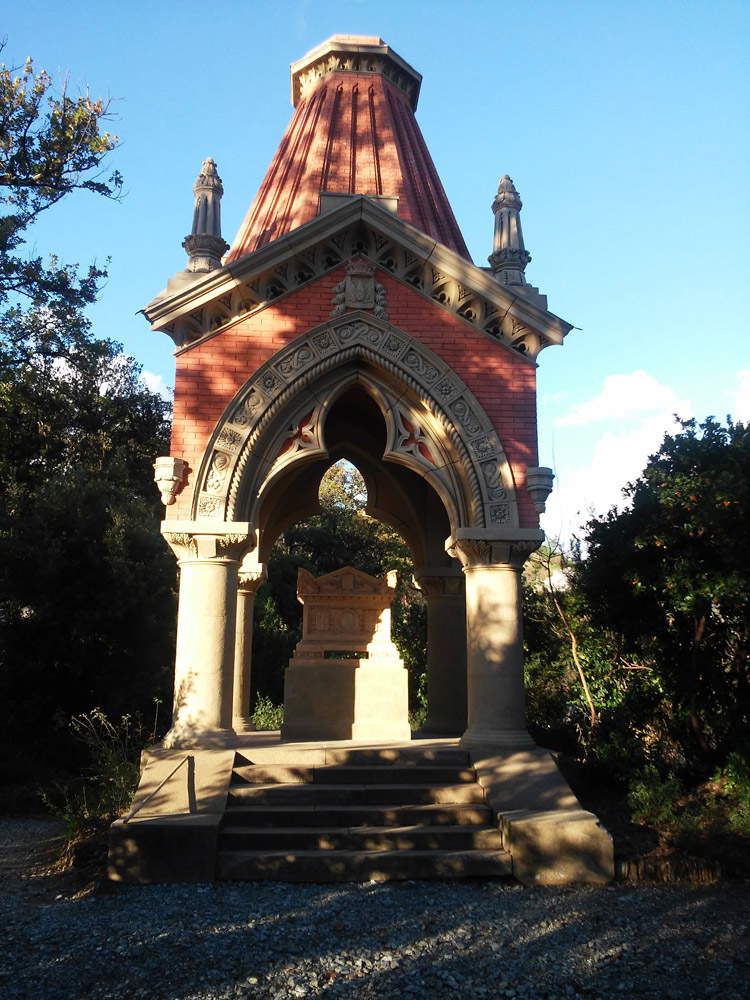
515 739
436 727
184 738
241 724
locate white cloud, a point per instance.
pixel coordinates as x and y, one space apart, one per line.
156 384
624 396
641 411
741 410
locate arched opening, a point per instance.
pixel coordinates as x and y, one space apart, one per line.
341 533
285 418
354 429
343 484
434 470
347 505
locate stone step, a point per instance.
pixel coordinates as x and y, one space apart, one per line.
360 866
422 774
356 816
359 756
362 838
323 795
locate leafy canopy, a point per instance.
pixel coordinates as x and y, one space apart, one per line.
86 584
671 576
51 144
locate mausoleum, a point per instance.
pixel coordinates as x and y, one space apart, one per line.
348 321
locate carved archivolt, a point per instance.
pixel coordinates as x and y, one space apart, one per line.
434 423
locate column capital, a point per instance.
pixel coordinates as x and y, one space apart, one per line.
484 547
249 578
208 539
439 581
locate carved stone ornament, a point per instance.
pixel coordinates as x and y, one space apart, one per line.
195 540
484 550
360 338
344 610
539 484
348 54
447 286
509 256
359 290
249 580
436 586
205 245
302 435
412 440
170 475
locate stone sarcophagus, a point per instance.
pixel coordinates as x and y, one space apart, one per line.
346 679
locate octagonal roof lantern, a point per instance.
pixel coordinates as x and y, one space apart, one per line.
354 54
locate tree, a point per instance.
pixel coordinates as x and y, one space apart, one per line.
670 575
585 696
86 584
50 146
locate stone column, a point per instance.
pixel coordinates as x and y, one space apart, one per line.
209 557
494 638
443 590
249 580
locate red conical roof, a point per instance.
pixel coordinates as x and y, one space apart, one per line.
353 132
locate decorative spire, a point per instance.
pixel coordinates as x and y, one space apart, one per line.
509 256
205 245
353 133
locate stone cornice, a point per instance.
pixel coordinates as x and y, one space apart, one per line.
207 306
353 54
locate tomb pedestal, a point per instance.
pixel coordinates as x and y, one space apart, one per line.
346 679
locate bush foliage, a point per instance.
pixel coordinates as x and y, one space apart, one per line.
652 611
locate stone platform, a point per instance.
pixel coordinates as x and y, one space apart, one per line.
350 811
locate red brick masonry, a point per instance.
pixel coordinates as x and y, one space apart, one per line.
210 373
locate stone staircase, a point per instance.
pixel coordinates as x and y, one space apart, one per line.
367 814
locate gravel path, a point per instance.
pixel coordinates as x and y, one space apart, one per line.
408 939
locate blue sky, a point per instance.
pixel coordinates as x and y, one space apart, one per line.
625 127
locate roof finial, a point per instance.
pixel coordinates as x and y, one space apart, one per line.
509 256
205 245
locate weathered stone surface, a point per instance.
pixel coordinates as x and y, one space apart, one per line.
552 840
362 694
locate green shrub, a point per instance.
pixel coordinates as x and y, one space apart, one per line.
266 715
653 798
111 777
736 780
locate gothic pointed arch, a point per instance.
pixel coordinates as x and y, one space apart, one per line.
435 425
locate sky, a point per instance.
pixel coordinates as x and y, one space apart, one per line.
624 125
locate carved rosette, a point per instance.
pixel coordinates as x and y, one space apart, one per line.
301 435
310 357
411 439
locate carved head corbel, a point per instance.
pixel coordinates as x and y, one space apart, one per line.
170 476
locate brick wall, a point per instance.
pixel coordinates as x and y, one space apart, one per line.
209 374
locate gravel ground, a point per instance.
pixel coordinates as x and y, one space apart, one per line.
399 939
